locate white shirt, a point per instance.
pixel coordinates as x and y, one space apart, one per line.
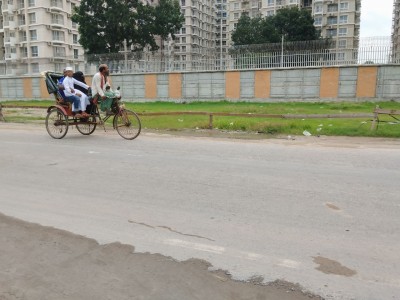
69 86
97 82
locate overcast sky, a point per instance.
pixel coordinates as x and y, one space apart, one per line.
376 18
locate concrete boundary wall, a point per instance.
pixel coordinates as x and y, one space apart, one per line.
307 84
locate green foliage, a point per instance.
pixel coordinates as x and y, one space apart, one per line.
295 24
104 25
254 31
291 22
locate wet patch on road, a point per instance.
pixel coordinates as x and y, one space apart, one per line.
329 266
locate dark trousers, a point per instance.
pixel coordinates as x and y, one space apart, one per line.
75 100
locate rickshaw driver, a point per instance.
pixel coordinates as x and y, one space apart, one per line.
71 94
99 83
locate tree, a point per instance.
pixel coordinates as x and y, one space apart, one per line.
104 25
293 23
249 31
169 18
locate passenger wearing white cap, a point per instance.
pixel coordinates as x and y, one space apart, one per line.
70 92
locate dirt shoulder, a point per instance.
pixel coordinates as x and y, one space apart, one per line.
40 262
325 141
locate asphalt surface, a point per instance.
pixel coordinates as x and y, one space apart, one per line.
321 212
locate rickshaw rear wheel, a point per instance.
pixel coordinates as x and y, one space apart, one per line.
127 124
87 128
56 123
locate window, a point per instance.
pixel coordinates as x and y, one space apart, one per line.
318 21
183 40
343 19
332 20
344 6
59 51
236 5
13 50
236 16
332 8
21 20
34 51
331 32
59 67
31 3
183 48
21 3
270 2
33 35
35 68
23 51
76 53
32 18
58 35
22 36
57 19
75 39
342 44
183 3
56 3
340 56
318 8
270 13
342 31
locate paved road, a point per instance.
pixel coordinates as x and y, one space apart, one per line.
320 212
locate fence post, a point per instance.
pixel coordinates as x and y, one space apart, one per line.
375 120
210 123
1 114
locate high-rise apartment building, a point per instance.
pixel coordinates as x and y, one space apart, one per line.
197 35
36 35
396 30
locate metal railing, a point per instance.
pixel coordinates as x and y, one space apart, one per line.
286 55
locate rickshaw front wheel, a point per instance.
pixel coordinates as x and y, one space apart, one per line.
56 123
127 124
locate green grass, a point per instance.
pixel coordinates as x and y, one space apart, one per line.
268 127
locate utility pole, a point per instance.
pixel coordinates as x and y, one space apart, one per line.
283 37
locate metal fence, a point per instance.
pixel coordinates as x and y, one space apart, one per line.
377 50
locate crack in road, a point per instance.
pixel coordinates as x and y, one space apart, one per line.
170 229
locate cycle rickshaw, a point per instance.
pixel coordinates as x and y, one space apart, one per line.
59 116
